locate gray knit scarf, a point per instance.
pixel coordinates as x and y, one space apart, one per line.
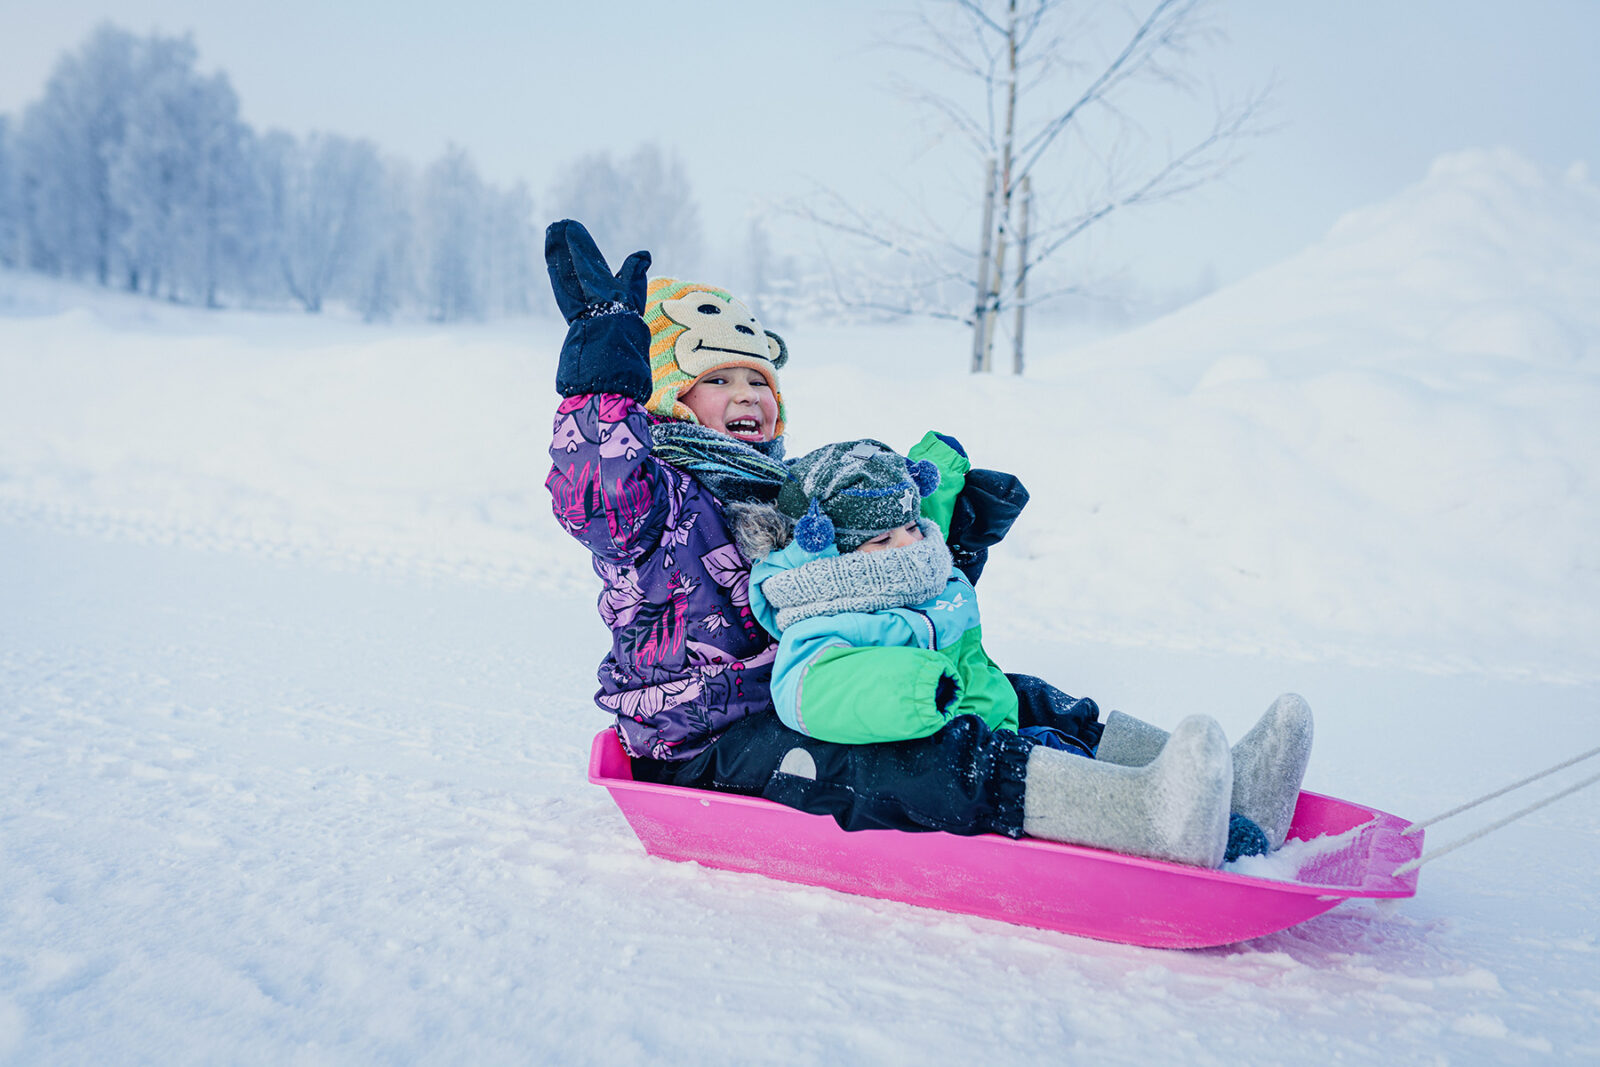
862 581
732 469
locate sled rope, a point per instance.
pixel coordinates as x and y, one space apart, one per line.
1513 817
1563 765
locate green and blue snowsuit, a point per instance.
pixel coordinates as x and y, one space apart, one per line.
891 675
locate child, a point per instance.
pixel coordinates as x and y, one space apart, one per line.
671 407
880 642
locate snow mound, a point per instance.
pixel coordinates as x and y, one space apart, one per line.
1485 257
1384 445
1488 257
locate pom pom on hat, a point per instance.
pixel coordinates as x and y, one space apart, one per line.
924 475
814 530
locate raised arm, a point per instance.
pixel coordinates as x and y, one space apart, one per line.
604 487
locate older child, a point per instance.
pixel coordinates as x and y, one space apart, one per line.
671 408
880 642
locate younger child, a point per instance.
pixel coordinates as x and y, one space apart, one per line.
879 641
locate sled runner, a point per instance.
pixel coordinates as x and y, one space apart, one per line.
1083 891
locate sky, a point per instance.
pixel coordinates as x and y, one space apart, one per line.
767 102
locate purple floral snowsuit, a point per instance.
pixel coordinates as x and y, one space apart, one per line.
688 658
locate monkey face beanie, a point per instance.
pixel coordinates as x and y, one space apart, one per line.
697 328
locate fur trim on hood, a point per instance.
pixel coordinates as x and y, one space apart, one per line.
758 529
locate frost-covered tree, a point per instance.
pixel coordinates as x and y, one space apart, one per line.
134 169
385 278
65 147
325 194
10 202
514 265
183 177
642 201
452 227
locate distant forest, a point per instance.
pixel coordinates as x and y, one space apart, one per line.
134 171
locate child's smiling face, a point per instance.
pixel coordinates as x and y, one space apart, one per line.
737 401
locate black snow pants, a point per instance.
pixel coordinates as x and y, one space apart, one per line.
965 779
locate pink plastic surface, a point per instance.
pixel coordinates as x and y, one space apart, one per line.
1083 891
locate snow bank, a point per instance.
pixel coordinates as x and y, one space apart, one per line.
1382 447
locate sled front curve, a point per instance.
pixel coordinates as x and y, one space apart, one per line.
1077 890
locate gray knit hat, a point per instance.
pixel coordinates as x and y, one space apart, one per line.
848 493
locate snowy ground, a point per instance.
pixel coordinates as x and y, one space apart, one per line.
295 674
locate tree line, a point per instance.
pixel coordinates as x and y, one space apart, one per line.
134 171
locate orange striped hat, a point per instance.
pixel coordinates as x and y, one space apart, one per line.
695 329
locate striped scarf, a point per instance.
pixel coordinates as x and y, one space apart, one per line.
730 468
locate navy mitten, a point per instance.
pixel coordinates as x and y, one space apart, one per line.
607 349
989 503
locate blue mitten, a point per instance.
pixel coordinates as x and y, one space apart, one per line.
1244 839
607 349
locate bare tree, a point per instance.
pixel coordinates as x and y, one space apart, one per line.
1050 97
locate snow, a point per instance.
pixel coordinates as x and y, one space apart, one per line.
295 673
1284 864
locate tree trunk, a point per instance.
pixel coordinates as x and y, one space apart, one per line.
980 305
1022 277
1002 231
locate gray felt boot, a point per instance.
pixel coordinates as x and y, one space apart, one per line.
1175 808
1269 762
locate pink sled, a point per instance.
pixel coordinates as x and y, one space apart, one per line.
1077 890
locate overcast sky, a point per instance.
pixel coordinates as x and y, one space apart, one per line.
763 101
